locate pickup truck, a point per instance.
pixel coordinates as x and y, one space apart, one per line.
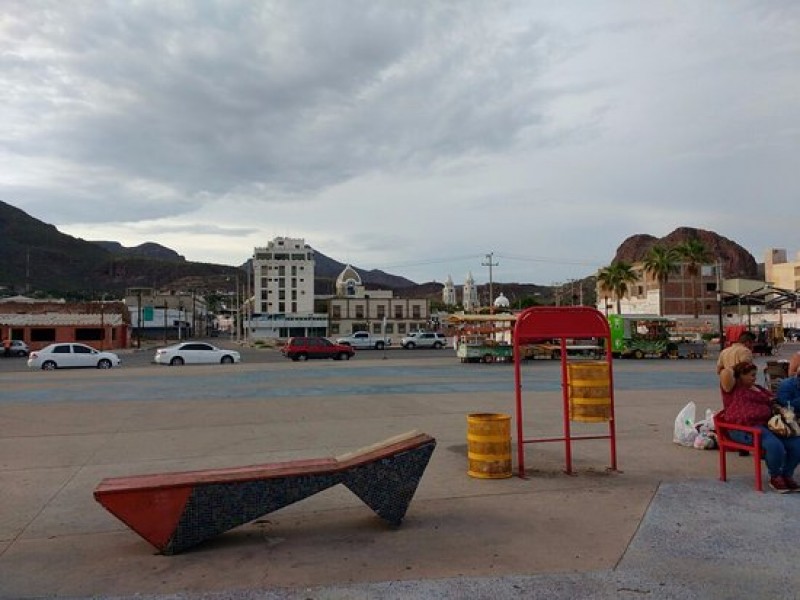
363 340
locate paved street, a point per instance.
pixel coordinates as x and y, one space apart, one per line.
593 534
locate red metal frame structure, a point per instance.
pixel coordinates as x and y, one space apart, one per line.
561 322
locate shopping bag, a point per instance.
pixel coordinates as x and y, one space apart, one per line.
685 431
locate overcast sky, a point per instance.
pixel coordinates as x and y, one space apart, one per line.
415 137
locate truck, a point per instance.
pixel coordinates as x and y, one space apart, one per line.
638 336
471 348
364 340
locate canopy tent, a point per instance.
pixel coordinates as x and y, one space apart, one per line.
767 296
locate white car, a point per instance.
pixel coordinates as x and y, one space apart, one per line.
18 348
71 356
424 339
192 353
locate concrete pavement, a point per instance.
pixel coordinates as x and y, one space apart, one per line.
662 526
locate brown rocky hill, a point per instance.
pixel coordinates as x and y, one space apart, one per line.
736 261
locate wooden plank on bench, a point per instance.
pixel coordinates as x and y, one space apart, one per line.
175 511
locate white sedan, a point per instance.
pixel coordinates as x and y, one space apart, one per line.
195 353
71 356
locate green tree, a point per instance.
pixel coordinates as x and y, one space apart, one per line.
615 278
661 262
694 253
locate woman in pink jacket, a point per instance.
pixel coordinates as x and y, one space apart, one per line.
749 404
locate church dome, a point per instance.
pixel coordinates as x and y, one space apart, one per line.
348 282
501 301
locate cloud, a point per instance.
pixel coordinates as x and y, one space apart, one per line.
402 133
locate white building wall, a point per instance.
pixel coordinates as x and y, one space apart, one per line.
283 274
470 294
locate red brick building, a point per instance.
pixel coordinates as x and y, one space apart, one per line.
102 325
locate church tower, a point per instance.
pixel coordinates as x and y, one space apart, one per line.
449 292
470 294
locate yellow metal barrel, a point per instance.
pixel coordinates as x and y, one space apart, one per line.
489 445
589 391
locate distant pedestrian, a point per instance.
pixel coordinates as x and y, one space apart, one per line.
739 352
6 348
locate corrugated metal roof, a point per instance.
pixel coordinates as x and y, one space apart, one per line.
60 320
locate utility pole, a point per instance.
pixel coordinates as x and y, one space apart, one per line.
490 264
719 306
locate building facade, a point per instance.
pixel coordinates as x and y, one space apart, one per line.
470 301
780 272
103 325
354 308
283 278
449 292
680 301
167 314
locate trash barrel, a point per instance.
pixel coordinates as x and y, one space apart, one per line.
589 391
489 445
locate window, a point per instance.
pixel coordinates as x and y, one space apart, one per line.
415 312
359 311
334 329
376 328
294 307
398 312
381 311
89 334
61 349
281 271
45 334
336 312
282 307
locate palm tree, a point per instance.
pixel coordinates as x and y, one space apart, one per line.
660 262
616 278
695 254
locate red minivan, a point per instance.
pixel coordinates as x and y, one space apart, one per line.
303 348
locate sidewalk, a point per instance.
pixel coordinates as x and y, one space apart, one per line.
596 534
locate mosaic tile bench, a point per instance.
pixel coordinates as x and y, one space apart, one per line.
175 511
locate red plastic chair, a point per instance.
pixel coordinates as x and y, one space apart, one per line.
726 444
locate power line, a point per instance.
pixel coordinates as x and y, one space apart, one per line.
550 259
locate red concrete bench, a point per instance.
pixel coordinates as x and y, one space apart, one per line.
175 511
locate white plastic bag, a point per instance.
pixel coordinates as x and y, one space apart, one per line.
706 435
685 431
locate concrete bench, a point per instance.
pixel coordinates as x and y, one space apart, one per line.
175 511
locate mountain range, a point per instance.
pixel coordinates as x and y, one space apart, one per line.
37 258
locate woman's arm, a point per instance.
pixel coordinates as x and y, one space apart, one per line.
726 379
794 364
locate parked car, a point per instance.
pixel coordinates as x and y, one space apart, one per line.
71 356
17 348
424 339
192 353
363 340
303 348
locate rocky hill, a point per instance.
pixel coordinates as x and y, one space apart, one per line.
37 258
736 261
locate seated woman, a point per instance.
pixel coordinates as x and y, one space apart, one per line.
749 404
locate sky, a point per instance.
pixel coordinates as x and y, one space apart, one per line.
427 139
